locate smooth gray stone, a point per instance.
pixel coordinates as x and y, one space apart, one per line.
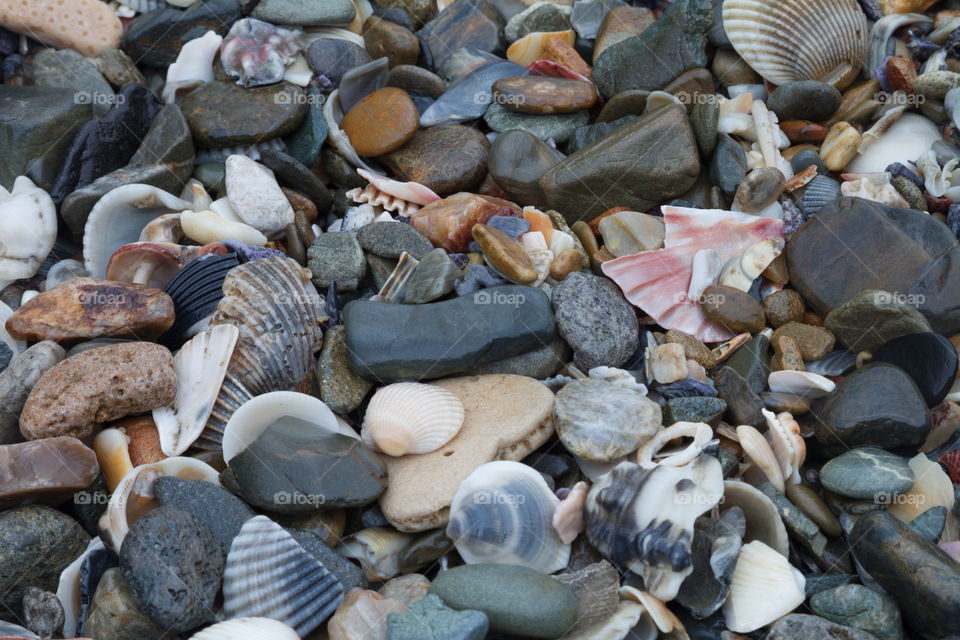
469 97
418 342
67 69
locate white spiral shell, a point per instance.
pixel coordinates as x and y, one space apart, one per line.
411 417
792 40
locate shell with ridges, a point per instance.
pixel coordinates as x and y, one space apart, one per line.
68 588
764 587
378 550
278 312
822 40
759 452
247 629
200 365
641 518
134 497
502 513
270 575
788 445
411 417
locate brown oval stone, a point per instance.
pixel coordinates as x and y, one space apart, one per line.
732 308
98 385
144 445
787 355
385 39
382 122
813 342
800 131
564 264
539 94
504 254
92 308
782 307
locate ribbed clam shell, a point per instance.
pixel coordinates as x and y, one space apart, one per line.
502 513
278 312
269 575
196 290
641 518
835 363
788 445
818 192
822 40
200 366
764 587
134 497
247 629
759 452
410 417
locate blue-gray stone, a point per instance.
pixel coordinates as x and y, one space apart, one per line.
857 606
930 523
556 126
305 143
868 473
469 97
429 619
479 276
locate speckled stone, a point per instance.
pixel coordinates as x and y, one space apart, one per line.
336 257
781 307
340 388
857 606
867 473
814 342
390 239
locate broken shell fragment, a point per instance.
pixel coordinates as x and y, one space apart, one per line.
28 229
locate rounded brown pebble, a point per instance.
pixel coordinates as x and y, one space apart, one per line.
776 271
812 319
734 309
782 307
564 264
778 401
693 349
382 38
787 356
504 254
98 385
810 502
540 94
144 445
813 342
382 122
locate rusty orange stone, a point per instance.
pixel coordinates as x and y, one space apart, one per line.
382 122
803 131
559 50
901 73
144 445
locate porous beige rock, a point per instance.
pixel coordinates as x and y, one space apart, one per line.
88 26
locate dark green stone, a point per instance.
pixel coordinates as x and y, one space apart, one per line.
305 143
930 523
697 409
429 618
224 114
867 473
857 606
752 362
803 529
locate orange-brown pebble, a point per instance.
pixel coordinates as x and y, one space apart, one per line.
382 122
144 446
787 355
905 6
539 221
564 264
801 131
776 271
809 317
901 73
559 51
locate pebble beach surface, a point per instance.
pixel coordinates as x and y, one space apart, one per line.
466 319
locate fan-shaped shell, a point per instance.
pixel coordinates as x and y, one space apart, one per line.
764 587
278 312
134 497
270 575
200 366
502 513
818 192
788 445
410 417
822 40
247 629
196 290
641 518
760 453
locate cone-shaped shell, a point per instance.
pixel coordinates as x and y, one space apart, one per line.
764 587
823 40
503 513
247 629
200 366
270 575
410 417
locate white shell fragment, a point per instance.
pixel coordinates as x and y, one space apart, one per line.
762 519
28 229
783 433
822 40
247 629
758 451
256 197
642 518
410 417
378 550
269 575
656 452
935 178
200 366
764 587
801 383
568 517
206 226
194 65
503 513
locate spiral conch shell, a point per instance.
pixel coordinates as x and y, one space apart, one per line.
823 40
503 513
410 417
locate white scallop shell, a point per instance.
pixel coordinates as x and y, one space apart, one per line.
822 40
134 497
269 575
762 518
411 417
503 513
801 383
28 229
378 550
783 433
255 415
200 365
652 452
763 588
758 451
247 629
